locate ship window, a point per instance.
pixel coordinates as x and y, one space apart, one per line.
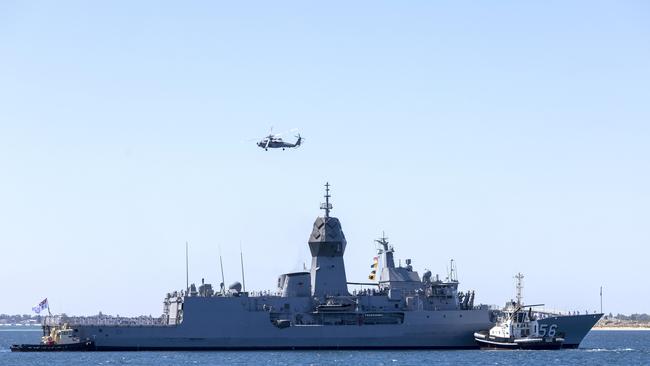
396 306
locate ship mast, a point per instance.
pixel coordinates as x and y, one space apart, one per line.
327 246
387 250
327 206
453 271
187 268
223 280
520 287
241 259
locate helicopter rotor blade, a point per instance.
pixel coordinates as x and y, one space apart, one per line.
286 132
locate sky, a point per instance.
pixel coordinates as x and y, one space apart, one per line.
509 136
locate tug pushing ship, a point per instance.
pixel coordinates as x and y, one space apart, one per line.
518 328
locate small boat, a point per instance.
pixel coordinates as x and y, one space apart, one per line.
59 339
332 306
519 329
81 346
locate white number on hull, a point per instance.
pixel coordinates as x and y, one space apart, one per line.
545 330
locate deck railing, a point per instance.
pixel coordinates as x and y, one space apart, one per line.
54 320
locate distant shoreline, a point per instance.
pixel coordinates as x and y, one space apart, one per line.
20 326
644 328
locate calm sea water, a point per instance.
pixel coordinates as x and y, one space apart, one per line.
598 348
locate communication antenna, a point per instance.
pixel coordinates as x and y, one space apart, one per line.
187 268
241 258
601 299
519 287
223 281
452 273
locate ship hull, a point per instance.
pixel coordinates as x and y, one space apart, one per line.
573 327
254 331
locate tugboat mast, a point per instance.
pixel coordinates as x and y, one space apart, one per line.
520 287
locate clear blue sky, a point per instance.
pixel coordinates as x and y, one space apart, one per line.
510 136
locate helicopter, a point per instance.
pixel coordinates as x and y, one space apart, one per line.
274 141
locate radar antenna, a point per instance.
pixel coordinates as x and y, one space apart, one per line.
520 287
383 241
327 206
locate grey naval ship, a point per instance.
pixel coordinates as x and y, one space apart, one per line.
310 310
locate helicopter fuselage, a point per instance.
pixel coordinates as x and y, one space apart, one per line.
276 142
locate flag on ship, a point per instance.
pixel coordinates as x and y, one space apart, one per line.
375 264
41 306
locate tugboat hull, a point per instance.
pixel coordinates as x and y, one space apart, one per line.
75 347
543 343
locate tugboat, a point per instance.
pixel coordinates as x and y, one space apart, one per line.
519 329
59 339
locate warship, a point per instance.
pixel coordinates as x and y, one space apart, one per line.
312 309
